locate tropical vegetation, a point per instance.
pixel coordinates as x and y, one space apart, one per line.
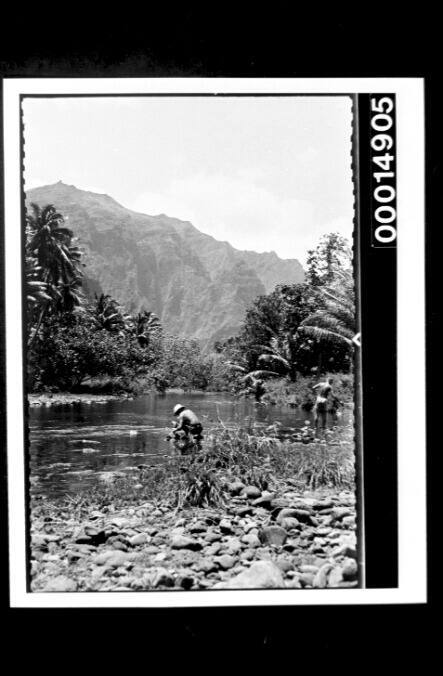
76 341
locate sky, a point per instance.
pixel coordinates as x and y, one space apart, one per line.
265 174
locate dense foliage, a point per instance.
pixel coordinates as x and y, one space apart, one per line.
296 330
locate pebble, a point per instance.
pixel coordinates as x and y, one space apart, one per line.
321 577
205 566
252 492
226 526
273 535
111 559
182 542
139 539
225 561
261 575
198 527
347 551
251 540
212 537
61 583
335 577
163 578
350 569
236 487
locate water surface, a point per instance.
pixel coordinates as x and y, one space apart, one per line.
73 445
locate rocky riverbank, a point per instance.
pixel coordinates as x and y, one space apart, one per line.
286 539
64 399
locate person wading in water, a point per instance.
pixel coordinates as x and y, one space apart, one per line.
188 423
320 410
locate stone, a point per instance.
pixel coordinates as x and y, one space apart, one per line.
346 550
182 542
74 556
236 487
225 561
335 577
199 527
306 579
185 581
205 566
233 545
150 550
163 579
350 569
340 512
348 521
226 526
289 523
249 526
212 537
161 556
285 564
213 549
302 515
247 555
294 583
119 522
260 575
285 513
251 540
265 502
322 504
348 583
273 535
39 542
61 583
139 539
307 568
321 577
243 511
252 492
111 559
290 545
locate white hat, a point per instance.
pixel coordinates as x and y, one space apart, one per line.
178 408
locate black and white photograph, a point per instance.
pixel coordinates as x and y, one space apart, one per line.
192 279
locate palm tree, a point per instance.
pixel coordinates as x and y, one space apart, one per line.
69 296
253 380
280 354
335 321
107 314
36 290
51 244
144 325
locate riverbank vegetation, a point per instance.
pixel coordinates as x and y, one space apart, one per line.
78 343
253 510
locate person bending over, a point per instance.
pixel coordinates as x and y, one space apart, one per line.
187 422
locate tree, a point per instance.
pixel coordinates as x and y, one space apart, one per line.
50 243
36 293
143 326
335 322
107 314
332 252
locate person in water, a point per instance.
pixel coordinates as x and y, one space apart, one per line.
187 422
324 390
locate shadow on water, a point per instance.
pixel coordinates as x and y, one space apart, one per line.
72 445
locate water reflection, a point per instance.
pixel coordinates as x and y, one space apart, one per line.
70 446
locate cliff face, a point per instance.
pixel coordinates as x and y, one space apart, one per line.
199 287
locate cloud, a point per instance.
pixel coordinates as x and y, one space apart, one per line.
237 209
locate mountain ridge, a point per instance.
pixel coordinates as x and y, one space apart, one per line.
198 286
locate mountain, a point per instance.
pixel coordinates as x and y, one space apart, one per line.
198 287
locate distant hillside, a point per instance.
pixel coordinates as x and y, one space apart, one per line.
199 287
